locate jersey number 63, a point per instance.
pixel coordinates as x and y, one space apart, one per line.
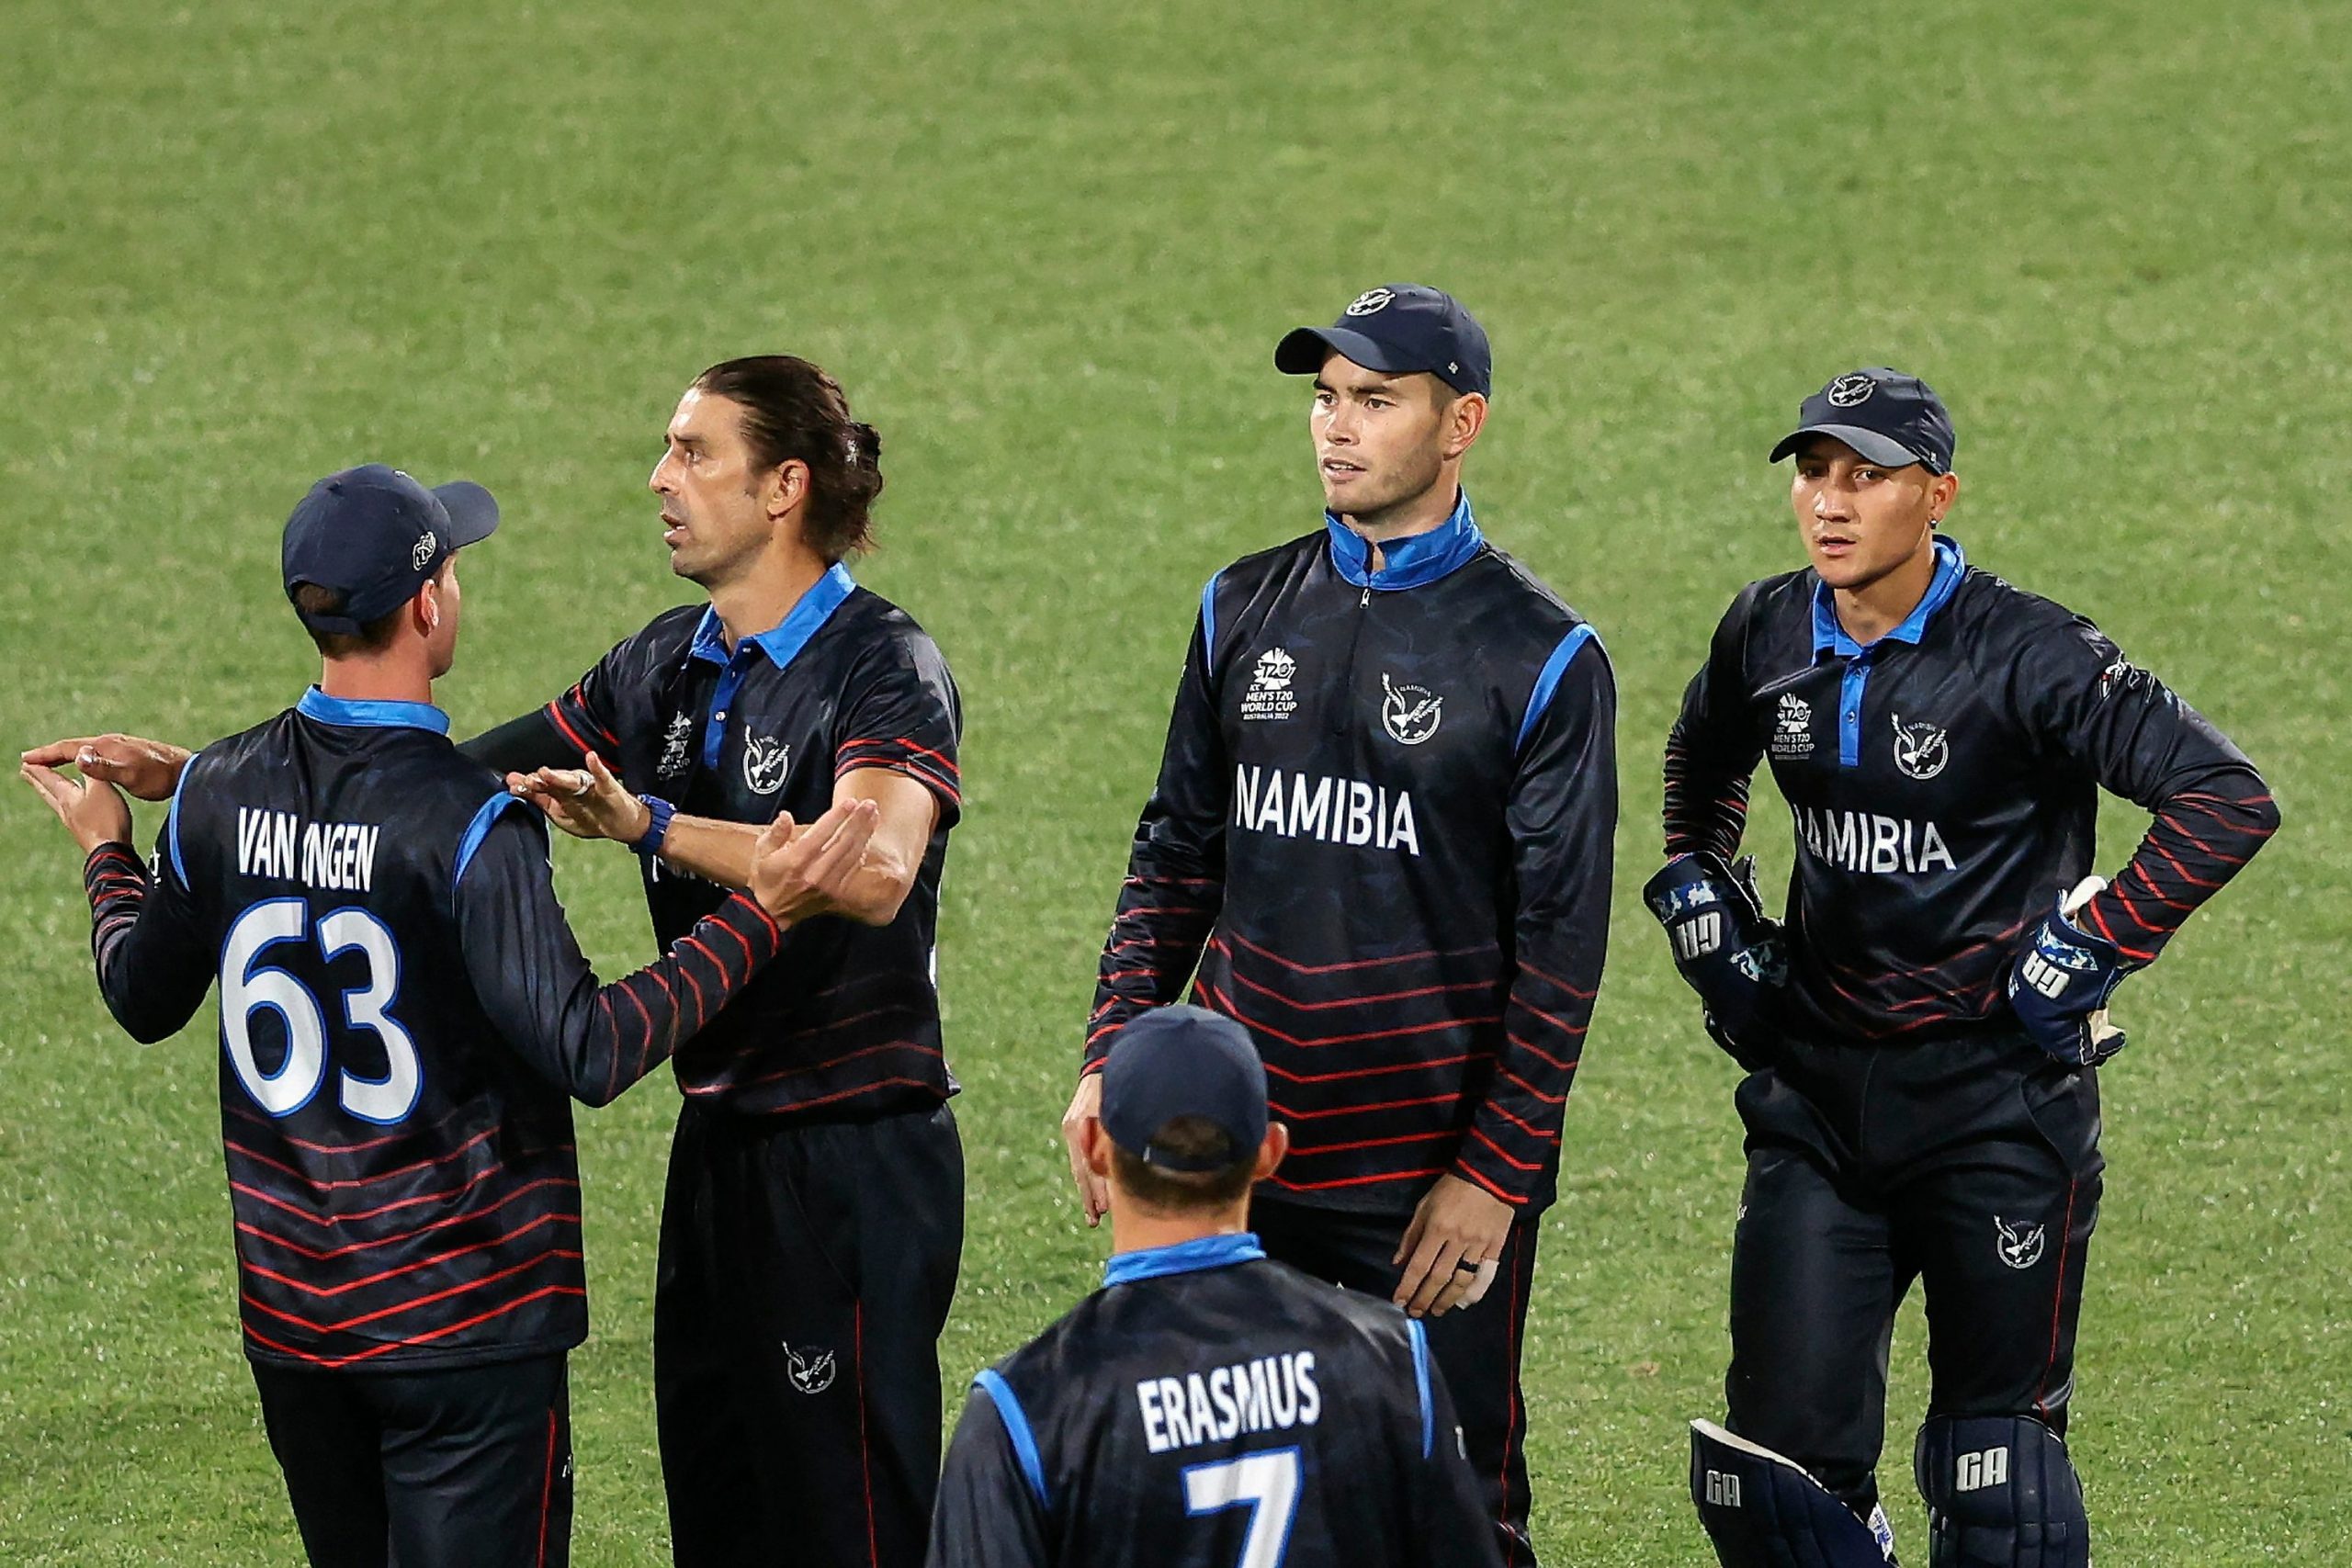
247 986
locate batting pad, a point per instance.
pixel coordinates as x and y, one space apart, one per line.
1762 1510
2001 1493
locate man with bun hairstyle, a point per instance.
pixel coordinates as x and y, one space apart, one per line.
1207 1406
1922 1038
813 1222
1381 840
404 1011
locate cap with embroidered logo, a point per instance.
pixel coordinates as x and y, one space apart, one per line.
1398 328
1886 416
376 536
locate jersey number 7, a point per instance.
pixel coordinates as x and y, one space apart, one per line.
1267 1483
247 986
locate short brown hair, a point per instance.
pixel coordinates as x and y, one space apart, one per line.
793 410
1185 1191
374 637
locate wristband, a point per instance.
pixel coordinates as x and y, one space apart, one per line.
662 810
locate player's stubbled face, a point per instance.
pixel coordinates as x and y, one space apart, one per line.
1378 437
713 514
1861 520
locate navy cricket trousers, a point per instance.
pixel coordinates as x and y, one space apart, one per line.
807 1270
1970 1164
469 1467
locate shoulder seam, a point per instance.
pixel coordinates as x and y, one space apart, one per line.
1547 679
471 841
1016 1422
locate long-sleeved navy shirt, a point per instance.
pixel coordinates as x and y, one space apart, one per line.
1382 834
404 1018
1944 782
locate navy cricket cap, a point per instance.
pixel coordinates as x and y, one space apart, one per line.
1399 327
1886 415
1183 1061
375 536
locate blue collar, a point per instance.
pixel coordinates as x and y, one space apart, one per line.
787 637
1828 637
317 705
1184 1258
1411 562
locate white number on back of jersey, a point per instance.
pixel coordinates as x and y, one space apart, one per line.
246 989
1267 1483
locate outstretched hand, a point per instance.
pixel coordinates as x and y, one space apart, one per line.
799 871
587 802
92 809
148 768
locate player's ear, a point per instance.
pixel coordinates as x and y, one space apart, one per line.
1098 1148
787 487
1463 422
425 610
1941 495
1270 1152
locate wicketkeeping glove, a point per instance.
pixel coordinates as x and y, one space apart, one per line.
2059 985
1731 956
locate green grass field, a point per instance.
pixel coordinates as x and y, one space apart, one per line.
1048 249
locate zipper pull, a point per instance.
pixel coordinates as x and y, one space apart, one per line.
1366 602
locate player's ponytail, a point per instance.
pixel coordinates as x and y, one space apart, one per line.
793 410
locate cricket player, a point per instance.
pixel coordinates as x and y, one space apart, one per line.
814 1220
404 1011
813 1225
1207 1406
1382 835
1922 1038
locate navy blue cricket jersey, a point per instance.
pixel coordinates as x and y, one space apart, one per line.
1208 1407
1382 832
848 1024
404 1016
1944 783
